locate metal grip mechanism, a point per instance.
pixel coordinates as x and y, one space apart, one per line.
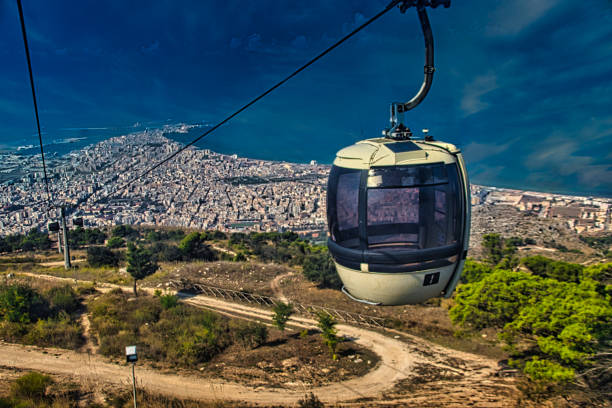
397 129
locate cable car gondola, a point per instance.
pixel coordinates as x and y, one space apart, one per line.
398 209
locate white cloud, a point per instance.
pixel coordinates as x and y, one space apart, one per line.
511 17
474 152
473 93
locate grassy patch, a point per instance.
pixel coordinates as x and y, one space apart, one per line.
40 317
180 335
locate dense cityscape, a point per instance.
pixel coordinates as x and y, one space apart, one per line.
207 190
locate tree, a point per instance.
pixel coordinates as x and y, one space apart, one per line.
101 256
282 313
194 246
140 263
115 242
125 231
320 268
327 324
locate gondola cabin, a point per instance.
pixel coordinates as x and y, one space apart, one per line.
399 218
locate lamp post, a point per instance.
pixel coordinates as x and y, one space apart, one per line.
132 357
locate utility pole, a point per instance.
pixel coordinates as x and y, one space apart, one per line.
65 234
59 242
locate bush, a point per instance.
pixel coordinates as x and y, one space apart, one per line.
249 334
60 331
282 313
63 298
327 324
31 386
320 268
21 304
125 231
98 256
180 335
168 301
310 401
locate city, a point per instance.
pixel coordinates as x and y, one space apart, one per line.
202 189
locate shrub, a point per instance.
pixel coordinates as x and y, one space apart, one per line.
282 313
32 386
60 331
310 401
168 301
249 334
63 298
98 256
21 304
327 324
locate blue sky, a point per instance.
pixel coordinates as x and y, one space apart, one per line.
523 87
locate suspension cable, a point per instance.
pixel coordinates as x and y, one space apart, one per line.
253 101
27 52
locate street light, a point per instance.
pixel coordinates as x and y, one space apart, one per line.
132 357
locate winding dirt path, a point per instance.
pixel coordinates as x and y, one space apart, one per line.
275 285
444 377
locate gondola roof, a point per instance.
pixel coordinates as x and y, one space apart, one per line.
379 152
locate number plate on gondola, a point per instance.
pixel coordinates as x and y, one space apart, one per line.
431 279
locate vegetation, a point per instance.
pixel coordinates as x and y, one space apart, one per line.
194 246
282 313
115 242
140 263
602 243
327 324
80 237
31 386
125 231
554 318
34 240
98 256
310 401
248 334
320 268
44 319
180 335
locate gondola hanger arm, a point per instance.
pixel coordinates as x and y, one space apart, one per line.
397 128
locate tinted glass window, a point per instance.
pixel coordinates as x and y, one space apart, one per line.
343 206
412 217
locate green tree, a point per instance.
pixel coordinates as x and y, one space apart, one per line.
140 263
320 268
125 231
101 256
327 324
493 244
115 242
474 271
194 246
282 313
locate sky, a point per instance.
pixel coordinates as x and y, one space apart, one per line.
523 87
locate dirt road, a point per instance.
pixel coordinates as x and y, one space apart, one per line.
452 378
